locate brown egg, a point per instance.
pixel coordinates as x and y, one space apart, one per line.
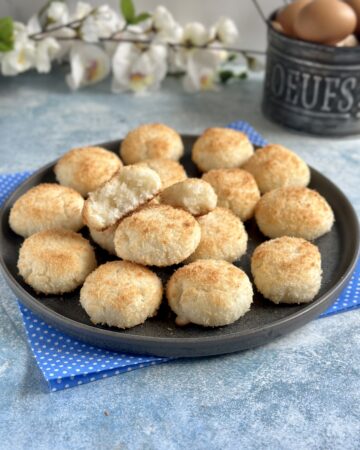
355 4
286 16
325 21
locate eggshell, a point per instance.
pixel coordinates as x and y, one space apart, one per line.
355 5
286 16
277 26
349 41
325 21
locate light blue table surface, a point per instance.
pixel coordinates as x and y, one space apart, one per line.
299 392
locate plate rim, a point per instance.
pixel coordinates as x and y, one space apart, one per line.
312 309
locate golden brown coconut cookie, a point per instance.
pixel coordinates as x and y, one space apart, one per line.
275 166
130 188
287 270
85 169
105 239
55 261
223 236
297 212
46 206
236 189
221 148
154 140
121 294
157 236
209 292
169 171
194 195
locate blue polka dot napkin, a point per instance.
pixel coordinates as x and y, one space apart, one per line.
66 362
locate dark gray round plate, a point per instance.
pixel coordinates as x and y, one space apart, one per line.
159 335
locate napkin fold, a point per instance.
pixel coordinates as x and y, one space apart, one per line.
66 362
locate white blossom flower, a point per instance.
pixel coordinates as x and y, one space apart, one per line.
22 57
66 44
102 23
225 31
195 33
166 28
177 59
57 14
90 30
110 48
89 65
82 10
138 70
201 74
33 25
46 50
162 18
220 55
140 28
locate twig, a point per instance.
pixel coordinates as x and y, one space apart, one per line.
71 25
38 34
149 42
114 37
260 11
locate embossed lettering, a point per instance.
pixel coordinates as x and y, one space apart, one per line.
348 85
312 89
292 86
330 93
306 90
278 80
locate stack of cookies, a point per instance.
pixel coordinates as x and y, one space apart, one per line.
145 211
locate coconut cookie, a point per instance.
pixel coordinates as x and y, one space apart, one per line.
298 212
87 168
223 236
194 195
55 261
105 239
221 148
121 294
169 171
131 187
236 189
275 166
154 140
46 206
209 293
157 235
287 270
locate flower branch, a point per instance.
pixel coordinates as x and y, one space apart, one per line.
139 49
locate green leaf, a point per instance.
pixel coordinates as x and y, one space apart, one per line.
127 10
140 18
225 76
232 57
6 34
243 76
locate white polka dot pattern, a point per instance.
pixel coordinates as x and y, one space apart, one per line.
8 182
66 362
350 296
